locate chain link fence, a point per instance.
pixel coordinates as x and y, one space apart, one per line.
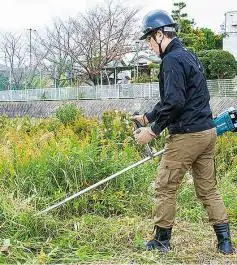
219 88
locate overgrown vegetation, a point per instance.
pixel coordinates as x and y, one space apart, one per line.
43 161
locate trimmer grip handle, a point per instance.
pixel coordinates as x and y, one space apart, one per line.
137 123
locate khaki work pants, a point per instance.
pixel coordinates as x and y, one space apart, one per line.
182 152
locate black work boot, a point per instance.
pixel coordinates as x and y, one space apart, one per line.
161 240
223 237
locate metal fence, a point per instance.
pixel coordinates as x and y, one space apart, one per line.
223 87
220 88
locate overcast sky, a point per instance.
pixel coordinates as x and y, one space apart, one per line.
19 15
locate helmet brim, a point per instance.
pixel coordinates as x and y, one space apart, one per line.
146 32
143 37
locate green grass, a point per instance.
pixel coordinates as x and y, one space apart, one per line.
116 240
43 161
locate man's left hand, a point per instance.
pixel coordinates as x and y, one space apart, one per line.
144 135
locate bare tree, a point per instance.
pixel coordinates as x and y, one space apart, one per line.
100 36
83 45
14 54
55 45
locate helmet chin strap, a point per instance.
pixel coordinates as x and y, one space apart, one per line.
159 44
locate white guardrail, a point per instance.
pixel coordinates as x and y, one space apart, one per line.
220 88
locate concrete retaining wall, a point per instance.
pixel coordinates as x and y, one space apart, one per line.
95 108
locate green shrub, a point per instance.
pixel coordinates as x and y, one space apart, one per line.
218 64
67 113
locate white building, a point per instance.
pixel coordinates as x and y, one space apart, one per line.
230 39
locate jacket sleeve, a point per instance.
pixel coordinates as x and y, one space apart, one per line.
151 116
174 95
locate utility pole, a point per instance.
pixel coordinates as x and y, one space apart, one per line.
30 47
30 30
10 73
10 78
30 64
137 58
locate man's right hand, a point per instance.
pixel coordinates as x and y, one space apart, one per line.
141 118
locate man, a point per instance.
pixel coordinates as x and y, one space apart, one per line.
184 109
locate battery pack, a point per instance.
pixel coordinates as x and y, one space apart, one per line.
226 122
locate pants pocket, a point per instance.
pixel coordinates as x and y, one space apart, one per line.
169 176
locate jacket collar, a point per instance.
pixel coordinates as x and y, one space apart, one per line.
174 44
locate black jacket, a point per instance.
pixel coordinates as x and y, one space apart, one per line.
184 106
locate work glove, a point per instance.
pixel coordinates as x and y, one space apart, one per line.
144 135
142 119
